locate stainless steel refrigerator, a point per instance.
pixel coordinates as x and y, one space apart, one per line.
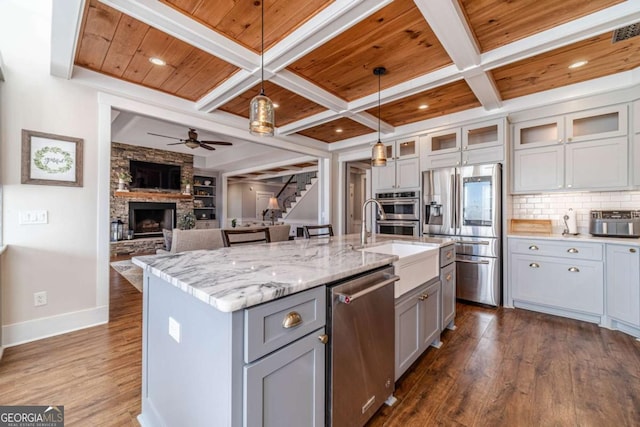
464 203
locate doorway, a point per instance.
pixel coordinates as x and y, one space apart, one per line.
358 189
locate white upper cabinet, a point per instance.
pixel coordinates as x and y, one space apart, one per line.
473 144
588 150
402 169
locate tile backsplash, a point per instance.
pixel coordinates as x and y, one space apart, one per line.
553 206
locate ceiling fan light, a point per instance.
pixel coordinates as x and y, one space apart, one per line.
261 116
379 155
192 144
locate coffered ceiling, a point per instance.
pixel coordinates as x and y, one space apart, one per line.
442 56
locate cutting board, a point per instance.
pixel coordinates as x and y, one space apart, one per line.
533 226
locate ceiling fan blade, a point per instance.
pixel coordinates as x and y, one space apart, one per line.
164 136
216 142
176 143
207 147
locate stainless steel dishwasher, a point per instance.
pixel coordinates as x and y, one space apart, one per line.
361 345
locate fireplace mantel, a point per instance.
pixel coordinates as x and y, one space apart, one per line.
152 195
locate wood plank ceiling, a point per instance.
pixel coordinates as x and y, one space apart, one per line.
320 55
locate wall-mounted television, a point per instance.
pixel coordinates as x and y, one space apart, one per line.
154 175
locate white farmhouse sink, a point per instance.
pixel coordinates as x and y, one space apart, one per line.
418 263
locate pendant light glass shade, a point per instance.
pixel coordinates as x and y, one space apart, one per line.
262 117
379 155
379 152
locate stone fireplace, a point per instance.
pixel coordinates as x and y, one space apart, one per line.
147 219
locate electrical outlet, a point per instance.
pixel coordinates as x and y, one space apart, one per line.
33 217
40 298
174 329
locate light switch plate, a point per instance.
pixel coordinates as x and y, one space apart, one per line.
174 329
39 216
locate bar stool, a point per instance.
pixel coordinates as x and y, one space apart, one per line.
318 231
251 235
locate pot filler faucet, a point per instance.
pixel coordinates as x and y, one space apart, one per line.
363 229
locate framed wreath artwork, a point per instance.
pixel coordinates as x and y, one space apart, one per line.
49 159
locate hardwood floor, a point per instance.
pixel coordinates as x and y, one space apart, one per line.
499 368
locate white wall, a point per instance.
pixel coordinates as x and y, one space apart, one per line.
61 256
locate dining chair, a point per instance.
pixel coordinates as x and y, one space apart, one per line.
318 231
251 235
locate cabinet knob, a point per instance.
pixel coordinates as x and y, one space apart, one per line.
633 251
569 139
449 276
324 338
457 163
449 255
464 163
574 269
534 265
291 320
572 250
569 185
559 185
423 297
465 148
560 141
533 248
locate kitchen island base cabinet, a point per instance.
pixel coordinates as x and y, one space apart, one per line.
194 371
448 279
417 322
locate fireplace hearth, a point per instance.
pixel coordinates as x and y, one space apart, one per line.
147 219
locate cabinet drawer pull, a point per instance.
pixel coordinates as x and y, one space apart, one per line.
572 250
449 255
423 297
534 265
574 269
533 248
448 277
292 320
633 251
324 338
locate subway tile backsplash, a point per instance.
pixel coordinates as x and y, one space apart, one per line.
554 205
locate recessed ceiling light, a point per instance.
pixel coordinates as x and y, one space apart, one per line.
157 61
275 105
578 64
423 107
338 130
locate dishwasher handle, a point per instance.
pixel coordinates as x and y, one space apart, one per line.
348 299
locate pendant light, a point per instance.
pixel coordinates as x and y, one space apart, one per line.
379 152
261 112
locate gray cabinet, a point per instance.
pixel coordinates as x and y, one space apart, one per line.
417 323
402 173
448 279
558 277
286 388
623 284
561 153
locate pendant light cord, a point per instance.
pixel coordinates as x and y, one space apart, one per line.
262 48
379 107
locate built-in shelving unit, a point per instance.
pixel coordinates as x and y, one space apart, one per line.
151 195
204 197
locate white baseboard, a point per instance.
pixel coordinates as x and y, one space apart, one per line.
36 329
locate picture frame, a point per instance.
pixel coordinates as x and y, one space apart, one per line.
49 159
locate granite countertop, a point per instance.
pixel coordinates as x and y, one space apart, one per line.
233 278
578 238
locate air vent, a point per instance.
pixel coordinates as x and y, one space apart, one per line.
626 33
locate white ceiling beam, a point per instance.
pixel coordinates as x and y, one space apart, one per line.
483 87
66 20
328 23
266 166
302 87
370 121
308 122
595 24
447 20
228 90
176 24
294 171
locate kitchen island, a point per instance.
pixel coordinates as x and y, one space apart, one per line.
213 330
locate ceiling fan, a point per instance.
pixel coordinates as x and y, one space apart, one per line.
192 141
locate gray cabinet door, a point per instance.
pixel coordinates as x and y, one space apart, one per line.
287 388
608 157
407 332
538 169
429 316
623 283
448 295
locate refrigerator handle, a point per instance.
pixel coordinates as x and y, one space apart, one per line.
454 221
458 202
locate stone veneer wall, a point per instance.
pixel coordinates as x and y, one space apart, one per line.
119 206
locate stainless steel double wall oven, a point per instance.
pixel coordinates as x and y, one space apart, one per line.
402 213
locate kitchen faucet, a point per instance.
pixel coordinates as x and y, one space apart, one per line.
363 229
